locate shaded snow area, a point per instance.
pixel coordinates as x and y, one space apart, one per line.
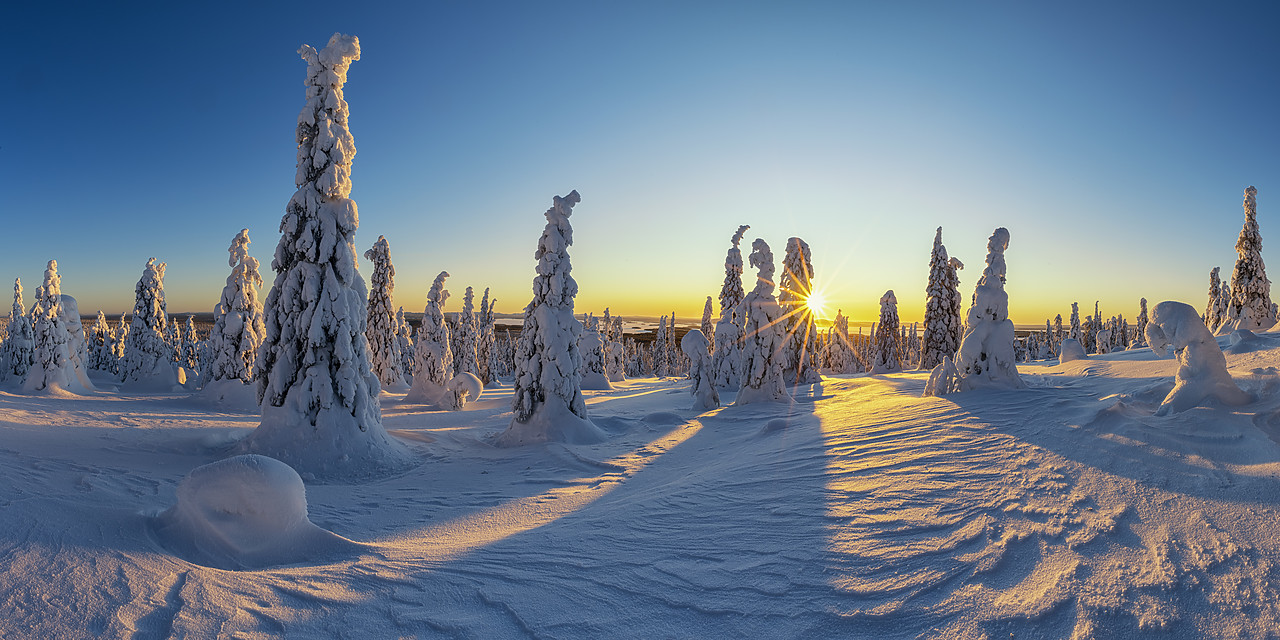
862 510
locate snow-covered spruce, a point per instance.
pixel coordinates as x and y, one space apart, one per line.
1202 369
547 399
404 338
1075 332
51 366
19 342
591 346
148 359
467 341
484 340
795 287
77 343
888 354
1250 304
942 322
320 410
695 344
761 369
380 320
101 340
727 353
434 367
1216 309
661 361
841 356
1140 339
985 358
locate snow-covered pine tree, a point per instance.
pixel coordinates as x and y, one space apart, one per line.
761 369
404 337
695 345
20 340
942 323
888 353
1075 333
238 329
380 320
661 365
1057 333
100 338
191 346
591 346
1140 334
319 400
148 358
985 358
1213 310
795 286
467 340
547 400
122 332
707 331
842 359
484 339
51 366
434 367
1250 301
726 354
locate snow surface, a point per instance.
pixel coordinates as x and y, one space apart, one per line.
859 511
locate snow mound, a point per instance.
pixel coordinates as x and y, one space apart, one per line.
466 387
1202 369
246 512
1069 350
228 394
1246 341
551 421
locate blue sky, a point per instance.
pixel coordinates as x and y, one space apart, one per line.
1113 141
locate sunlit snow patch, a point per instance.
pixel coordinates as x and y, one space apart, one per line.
246 512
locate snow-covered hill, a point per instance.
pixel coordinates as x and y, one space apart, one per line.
1066 509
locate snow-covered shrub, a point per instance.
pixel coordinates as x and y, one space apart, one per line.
320 410
888 355
547 400
942 323
1250 301
1202 369
761 370
727 353
51 366
695 345
795 286
380 320
148 358
19 342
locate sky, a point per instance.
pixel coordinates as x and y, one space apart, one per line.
1113 140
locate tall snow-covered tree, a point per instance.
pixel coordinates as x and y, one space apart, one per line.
238 329
319 400
726 354
591 346
380 319
101 344
1250 288
842 358
1140 335
148 358
434 367
404 337
19 341
801 331
1075 333
986 355
190 346
888 348
1213 311
122 332
484 340
547 400
467 340
761 368
51 365
661 362
942 322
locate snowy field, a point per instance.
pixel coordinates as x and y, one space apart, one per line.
1066 509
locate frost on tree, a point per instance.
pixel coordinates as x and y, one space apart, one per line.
986 355
761 369
695 344
888 347
796 285
238 328
51 366
942 323
547 399
148 358
19 342
727 351
320 410
434 367
1202 369
466 343
380 320
1250 305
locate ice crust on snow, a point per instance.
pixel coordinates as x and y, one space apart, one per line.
1202 368
244 512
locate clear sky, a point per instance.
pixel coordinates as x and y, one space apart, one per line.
1113 140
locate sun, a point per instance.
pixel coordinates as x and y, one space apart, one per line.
817 304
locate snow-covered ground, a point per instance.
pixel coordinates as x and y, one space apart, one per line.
1066 509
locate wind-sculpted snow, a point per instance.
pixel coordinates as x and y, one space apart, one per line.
1202 368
